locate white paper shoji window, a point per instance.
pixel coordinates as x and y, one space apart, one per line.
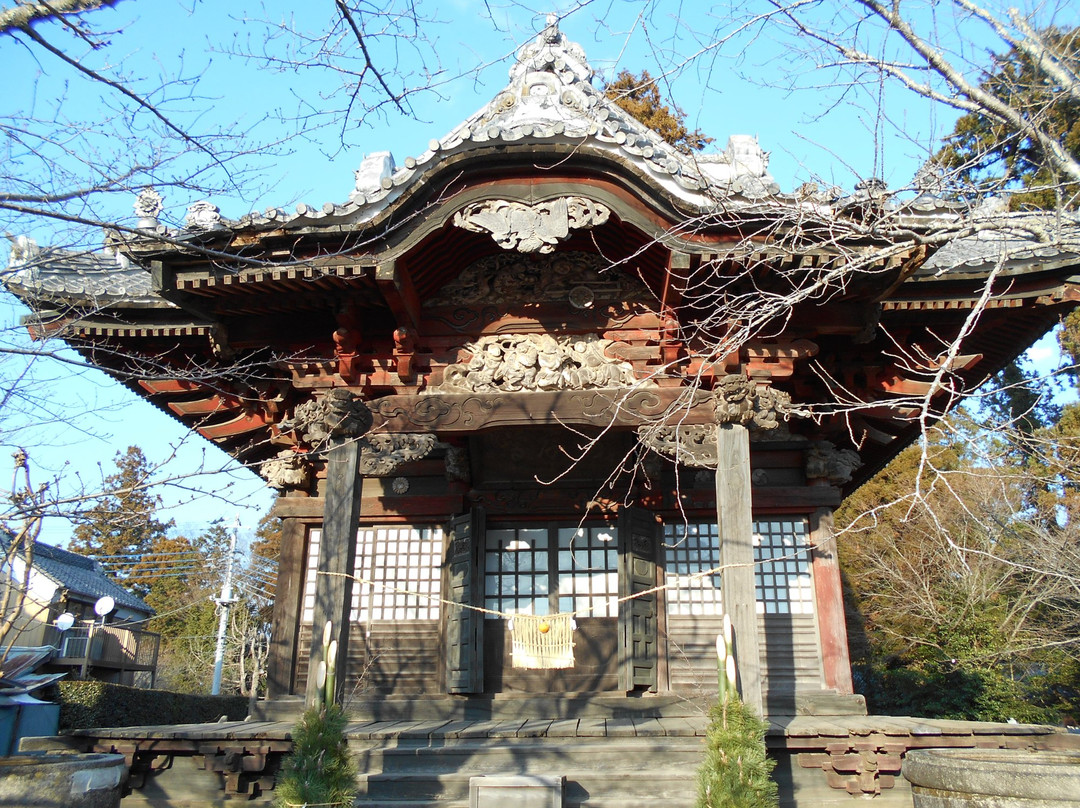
517 579
551 569
397 571
691 550
783 582
588 571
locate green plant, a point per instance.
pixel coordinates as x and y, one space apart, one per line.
736 772
320 770
85 704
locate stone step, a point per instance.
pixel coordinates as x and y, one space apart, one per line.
670 787
521 756
585 705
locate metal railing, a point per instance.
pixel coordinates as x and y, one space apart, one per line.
105 646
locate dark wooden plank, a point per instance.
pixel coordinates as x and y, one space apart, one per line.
288 598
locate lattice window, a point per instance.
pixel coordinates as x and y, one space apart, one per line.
548 570
783 583
516 572
397 570
692 549
588 571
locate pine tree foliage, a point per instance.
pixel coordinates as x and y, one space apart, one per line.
736 772
122 524
639 95
319 770
985 154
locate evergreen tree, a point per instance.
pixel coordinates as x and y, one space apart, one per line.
640 96
121 524
736 772
988 156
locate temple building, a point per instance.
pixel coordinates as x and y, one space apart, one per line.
545 401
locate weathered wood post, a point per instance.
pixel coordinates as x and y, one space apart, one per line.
740 404
345 419
736 529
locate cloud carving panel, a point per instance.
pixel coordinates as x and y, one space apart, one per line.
528 362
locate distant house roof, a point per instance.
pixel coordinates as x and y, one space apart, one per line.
81 576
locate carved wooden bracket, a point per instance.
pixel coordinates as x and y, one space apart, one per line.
380 455
288 470
825 462
338 414
736 400
742 401
860 769
531 228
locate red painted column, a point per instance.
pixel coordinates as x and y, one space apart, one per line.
829 597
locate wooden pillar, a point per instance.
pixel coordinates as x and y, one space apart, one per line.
734 518
288 601
829 600
337 557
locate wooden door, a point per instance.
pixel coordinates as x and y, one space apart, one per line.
464 588
639 608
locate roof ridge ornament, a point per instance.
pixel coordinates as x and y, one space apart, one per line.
552 52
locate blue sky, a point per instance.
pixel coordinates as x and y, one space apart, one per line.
815 127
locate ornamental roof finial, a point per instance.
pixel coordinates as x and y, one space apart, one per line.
551 33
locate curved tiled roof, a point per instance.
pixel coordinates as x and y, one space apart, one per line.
79 278
81 575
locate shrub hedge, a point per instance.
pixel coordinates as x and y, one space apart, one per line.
100 704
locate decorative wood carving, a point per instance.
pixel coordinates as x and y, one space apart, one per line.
742 401
336 414
531 228
737 400
523 362
457 464
471 412
825 462
381 454
288 470
690 445
512 279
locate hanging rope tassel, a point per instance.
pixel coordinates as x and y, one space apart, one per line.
542 642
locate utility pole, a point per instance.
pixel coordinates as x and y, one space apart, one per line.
224 602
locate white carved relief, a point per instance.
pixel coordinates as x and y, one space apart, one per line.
531 228
148 206
287 470
202 215
508 278
523 362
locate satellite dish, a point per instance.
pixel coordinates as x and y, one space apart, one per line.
104 606
65 621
